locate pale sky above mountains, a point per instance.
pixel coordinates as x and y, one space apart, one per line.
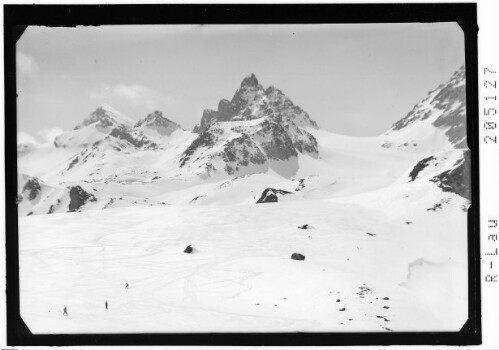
353 79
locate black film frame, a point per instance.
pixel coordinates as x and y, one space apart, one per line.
18 17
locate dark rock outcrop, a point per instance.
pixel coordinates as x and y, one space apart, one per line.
73 162
276 143
297 256
435 207
205 140
419 167
188 249
240 152
270 195
32 188
134 138
454 118
54 206
458 179
301 185
79 197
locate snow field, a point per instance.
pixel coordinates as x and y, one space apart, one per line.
240 277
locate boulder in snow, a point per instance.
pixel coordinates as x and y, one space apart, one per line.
297 256
270 195
305 227
188 249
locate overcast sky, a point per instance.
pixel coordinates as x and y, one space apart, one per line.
353 79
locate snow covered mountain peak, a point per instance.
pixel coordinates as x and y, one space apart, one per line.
250 133
438 121
103 120
156 121
252 101
259 132
105 117
435 131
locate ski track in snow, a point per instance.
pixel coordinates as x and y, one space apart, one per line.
383 253
241 258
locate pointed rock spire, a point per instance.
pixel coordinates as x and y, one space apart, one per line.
250 80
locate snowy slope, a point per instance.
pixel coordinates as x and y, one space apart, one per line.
240 276
435 124
435 130
35 197
94 128
385 241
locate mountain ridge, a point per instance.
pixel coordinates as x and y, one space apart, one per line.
259 132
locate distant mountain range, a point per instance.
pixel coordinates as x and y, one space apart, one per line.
260 136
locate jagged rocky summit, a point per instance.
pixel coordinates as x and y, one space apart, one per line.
252 101
250 133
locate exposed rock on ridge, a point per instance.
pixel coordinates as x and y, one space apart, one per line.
158 122
257 126
446 106
79 197
458 179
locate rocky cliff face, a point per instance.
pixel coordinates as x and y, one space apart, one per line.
241 147
457 179
79 197
451 99
133 137
443 108
252 101
450 171
438 122
255 127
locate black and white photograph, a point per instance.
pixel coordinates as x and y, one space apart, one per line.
243 178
